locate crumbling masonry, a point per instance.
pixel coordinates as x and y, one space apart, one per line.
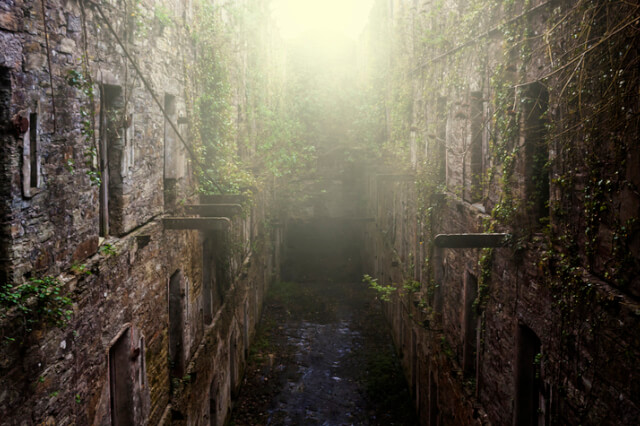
98 198
520 119
514 121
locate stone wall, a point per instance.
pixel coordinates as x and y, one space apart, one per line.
162 318
544 330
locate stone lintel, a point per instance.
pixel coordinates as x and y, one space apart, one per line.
197 223
214 210
223 199
471 240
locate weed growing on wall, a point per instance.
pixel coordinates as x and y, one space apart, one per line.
82 81
384 291
38 301
572 203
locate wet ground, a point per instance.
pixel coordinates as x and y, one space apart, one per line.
322 356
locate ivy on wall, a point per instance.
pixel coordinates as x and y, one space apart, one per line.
580 223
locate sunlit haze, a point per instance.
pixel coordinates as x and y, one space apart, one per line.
295 17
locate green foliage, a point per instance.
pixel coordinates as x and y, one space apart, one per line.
252 131
138 23
39 300
70 165
446 347
82 81
485 264
411 286
162 15
384 291
80 269
107 250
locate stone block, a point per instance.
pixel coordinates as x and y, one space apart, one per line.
85 249
11 52
34 61
16 230
33 47
9 21
67 45
43 261
74 24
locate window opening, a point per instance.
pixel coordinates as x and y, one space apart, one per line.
176 324
33 149
440 277
121 382
170 153
143 371
536 150
469 325
245 337
30 152
475 163
213 404
414 365
111 153
233 350
208 274
528 383
441 138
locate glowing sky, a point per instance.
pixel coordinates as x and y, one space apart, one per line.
331 16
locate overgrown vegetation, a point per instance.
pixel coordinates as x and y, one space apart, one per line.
81 80
384 291
247 133
563 79
36 302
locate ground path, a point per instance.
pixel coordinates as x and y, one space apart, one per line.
322 356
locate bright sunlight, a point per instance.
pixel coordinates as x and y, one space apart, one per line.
344 17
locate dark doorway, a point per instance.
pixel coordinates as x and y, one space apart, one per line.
121 381
527 378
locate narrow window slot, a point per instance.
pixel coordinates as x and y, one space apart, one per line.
176 324
33 149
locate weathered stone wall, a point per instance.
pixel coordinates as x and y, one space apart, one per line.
150 329
545 330
57 227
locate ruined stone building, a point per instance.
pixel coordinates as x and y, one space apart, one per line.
518 119
99 203
131 298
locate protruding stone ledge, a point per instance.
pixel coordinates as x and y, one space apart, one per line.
197 223
472 240
214 210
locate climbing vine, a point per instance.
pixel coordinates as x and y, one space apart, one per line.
571 201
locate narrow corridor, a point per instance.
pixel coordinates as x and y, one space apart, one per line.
323 355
